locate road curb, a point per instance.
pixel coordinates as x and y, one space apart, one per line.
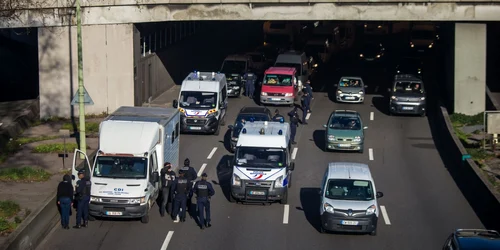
37 225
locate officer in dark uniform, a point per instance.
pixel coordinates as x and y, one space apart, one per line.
277 117
306 103
82 195
250 79
167 177
191 175
204 191
180 189
294 123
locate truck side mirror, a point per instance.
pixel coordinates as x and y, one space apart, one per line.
175 104
292 166
156 177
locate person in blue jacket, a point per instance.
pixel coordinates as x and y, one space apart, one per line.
82 195
204 191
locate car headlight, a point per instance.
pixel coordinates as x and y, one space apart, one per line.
357 138
278 183
263 94
378 56
398 71
328 208
394 98
315 65
141 200
419 72
371 210
288 94
234 139
236 180
361 55
95 199
339 91
361 92
422 98
412 45
430 45
331 137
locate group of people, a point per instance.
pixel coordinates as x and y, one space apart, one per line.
176 191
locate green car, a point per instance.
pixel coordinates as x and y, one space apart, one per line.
344 131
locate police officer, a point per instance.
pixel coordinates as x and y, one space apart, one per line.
191 175
250 79
309 89
180 189
167 177
294 123
277 117
82 195
306 103
204 191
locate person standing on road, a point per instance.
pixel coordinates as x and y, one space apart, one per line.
294 123
83 197
308 89
277 117
306 103
191 175
180 189
65 199
250 79
167 177
204 192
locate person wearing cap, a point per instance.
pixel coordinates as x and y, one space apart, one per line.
180 189
167 176
82 195
65 199
294 123
191 175
250 79
277 117
204 191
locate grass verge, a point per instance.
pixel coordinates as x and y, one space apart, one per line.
458 121
90 127
55 148
24 174
26 140
10 149
8 216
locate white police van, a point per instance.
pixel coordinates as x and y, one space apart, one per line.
262 164
202 102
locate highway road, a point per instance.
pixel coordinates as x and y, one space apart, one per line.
421 206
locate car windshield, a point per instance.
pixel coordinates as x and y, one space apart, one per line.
423 34
350 82
121 167
230 66
410 63
243 118
261 157
372 47
314 49
195 99
345 123
278 80
348 189
408 87
289 65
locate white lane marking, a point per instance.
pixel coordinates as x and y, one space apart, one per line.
308 116
167 240
372 116
370 154
285 214
294 153
212 153
384 214
202 169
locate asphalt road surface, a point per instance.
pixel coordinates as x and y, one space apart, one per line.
421 206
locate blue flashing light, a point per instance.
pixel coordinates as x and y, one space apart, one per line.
282 120
280 132
244 131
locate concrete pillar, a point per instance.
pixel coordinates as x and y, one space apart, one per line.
108 58
470 68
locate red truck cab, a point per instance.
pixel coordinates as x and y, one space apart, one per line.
279 86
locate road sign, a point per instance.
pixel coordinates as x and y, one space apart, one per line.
465 157
86 98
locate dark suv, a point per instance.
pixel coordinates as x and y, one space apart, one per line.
473 239
247 114
407 95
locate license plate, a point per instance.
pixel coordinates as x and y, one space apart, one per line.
195 128
349 98
113 213
350 222
344 145
420 50
370 59
407 108
257 193
276 99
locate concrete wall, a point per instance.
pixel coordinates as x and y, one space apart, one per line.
470 68
108 68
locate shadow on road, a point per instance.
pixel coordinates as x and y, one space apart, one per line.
224 173
310 202
381 104
319 139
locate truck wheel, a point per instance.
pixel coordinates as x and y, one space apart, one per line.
145 219
289 185
231 198
217 130
321 229
284 200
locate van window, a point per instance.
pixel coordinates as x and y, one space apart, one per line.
349 189
223 94
173 137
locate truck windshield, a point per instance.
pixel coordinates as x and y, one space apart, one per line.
195 99
230 66
261 157
289 65
278 80
121 167
408 87
357 190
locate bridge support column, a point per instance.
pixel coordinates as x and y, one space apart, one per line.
470 68
108 61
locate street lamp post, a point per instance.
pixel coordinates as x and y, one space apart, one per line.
81 93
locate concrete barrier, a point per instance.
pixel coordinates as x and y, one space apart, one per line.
37 225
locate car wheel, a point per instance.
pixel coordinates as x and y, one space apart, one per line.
145 219
289 185
217 130
361 151
321 229
231 198
373 233
423 114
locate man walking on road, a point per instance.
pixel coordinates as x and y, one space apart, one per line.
204 191
306 103
181 188
167 177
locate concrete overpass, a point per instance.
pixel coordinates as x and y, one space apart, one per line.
112 43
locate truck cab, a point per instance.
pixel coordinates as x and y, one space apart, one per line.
279 86
134 142
262 164
202 102
234 67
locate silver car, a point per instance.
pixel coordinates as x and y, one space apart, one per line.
350 89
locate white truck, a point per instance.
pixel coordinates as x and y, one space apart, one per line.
134 143
262 164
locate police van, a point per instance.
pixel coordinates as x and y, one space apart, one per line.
262 164
202 102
